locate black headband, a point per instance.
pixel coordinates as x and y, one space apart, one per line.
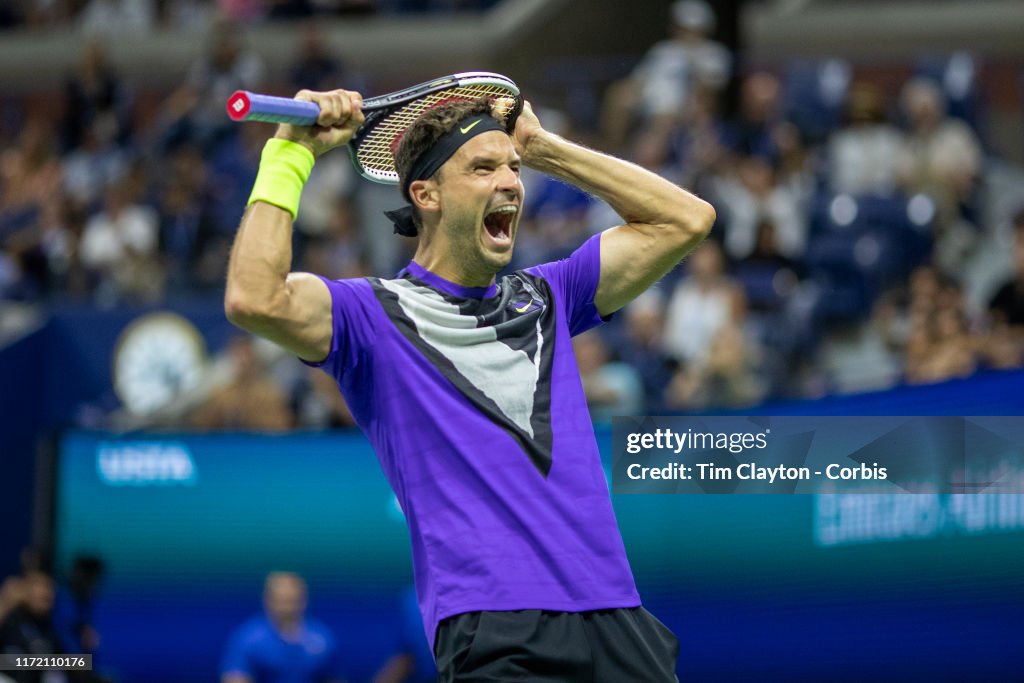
427 163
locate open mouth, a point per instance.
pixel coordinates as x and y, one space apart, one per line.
498 223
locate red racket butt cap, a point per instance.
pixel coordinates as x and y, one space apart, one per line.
238 105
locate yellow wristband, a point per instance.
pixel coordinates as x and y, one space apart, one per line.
284 169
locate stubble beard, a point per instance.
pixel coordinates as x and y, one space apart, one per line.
469 254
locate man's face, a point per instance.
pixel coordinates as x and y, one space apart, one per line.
39 593
481 201
284 597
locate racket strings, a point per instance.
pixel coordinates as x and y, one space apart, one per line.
376 150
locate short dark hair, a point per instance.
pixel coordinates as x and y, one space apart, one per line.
427 130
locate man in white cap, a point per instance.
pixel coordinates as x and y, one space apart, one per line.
658 91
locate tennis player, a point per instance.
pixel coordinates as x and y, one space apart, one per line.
466 385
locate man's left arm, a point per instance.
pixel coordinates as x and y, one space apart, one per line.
663 221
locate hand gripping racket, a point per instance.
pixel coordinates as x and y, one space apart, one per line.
373 146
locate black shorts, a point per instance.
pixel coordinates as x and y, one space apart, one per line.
602 646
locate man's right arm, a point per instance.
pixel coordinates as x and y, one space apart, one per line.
262 295
264 298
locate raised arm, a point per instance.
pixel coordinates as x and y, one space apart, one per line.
663 221
263 296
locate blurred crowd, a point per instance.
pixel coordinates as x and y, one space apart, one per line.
113 17
855 248
39 616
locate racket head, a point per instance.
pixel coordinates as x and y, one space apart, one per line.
387 117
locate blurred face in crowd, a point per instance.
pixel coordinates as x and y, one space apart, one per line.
924 287
643 323
590 352
757 175
692 20
284 598
865 104
39 593
243 356
949 324
923 105
760 96
706 263
225 47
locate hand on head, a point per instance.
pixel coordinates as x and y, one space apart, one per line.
527 131
341 114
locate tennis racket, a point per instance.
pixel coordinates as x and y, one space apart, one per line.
373 146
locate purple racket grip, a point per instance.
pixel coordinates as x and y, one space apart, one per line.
247 106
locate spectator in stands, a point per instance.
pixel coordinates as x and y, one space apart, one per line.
767 275
283 644
12 589
95 96
316 67
327 205
753 131
780 310
24 271
926 288
187 230
250 400
702 304
906 307
656 94
337 252
611 387
727 377
1007 304
641 346
317 402
75 607
942 158
940 348
797 164
120 244
1001 346
60 231
863 155
753 196
28 628
30 175
94 165
696 147
705 332
195 111
939 345
1002 343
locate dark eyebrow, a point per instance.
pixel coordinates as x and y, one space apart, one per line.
492 160
483 159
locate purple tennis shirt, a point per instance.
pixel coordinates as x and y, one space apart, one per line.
472 400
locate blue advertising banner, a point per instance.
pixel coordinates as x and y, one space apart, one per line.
769 587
